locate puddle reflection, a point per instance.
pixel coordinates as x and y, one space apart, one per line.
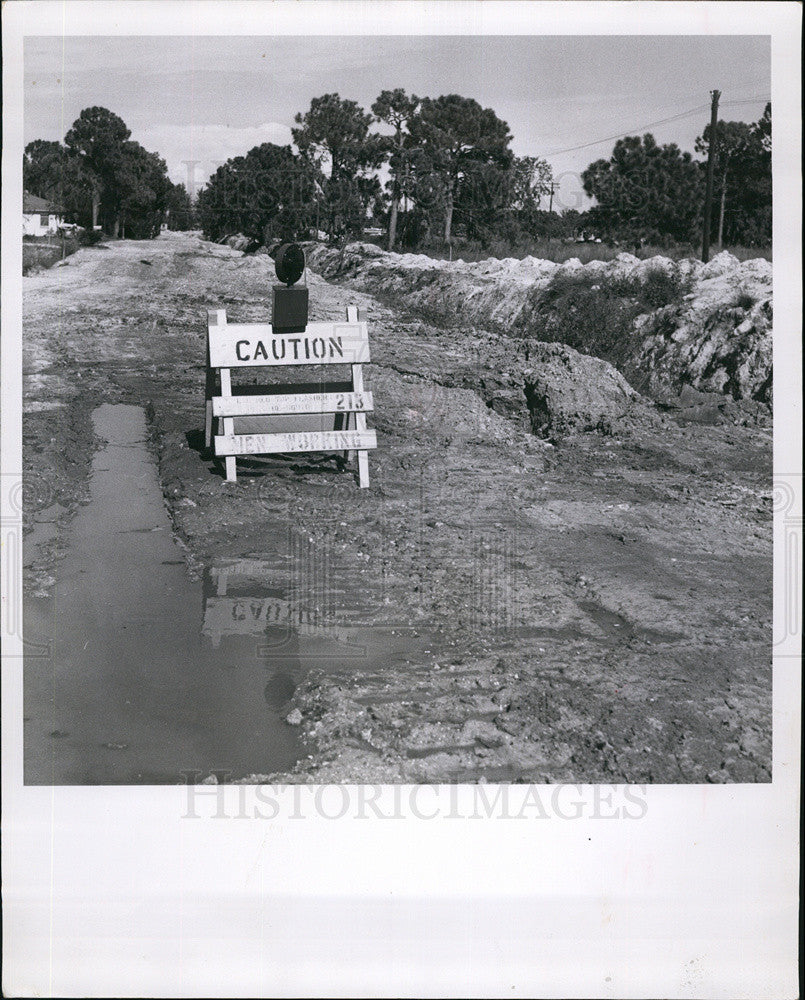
145 675
242 597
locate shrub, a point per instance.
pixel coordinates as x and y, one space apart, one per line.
567 284
663 323
743 299
596 314
583 314
661 288
38 255
657 288
89 237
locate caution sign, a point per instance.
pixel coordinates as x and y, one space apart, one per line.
237 345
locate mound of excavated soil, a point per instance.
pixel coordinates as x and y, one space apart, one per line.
717 339
711 343
567 391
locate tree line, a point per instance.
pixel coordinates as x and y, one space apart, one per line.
99 176
451 171
656 193
448 163
425 170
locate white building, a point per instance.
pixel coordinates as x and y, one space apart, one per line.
39 217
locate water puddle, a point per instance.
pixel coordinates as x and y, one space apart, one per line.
501 773
618 628
151 676
608 621
422 753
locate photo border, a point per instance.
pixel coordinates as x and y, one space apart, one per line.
114 891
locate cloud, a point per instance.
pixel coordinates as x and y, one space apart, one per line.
208 145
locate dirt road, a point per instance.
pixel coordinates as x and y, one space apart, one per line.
594 610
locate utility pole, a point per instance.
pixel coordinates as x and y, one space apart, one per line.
711 162
550 202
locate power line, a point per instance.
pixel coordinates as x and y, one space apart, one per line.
635 128
749 100
661 121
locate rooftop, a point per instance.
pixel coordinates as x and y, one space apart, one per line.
33 203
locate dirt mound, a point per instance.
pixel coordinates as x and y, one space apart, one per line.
718 341
567 391
716 336
450 415
237 242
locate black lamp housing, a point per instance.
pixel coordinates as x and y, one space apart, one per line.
290 304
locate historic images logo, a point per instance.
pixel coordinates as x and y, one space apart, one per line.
787 513
417 802
20 496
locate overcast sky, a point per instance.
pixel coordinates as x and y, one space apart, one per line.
207 99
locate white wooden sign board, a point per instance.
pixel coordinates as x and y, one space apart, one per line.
238 345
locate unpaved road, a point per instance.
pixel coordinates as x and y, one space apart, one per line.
598 610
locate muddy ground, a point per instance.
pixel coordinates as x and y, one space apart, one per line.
593 609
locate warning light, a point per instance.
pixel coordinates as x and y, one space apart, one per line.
290 304
289 263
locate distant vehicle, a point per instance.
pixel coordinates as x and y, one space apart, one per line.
583 237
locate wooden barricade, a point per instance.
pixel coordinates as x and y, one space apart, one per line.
238 345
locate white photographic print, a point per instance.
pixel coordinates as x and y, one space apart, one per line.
401 423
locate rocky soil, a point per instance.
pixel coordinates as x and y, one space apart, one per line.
718 338
585 575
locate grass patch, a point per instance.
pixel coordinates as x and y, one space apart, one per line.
39 254
597 316
750 253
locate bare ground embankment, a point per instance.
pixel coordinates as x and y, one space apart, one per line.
715 336
596 596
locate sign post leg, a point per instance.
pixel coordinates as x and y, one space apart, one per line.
360 425
209 392
208 425
217 318
353 316
229 426
348 455
363 469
